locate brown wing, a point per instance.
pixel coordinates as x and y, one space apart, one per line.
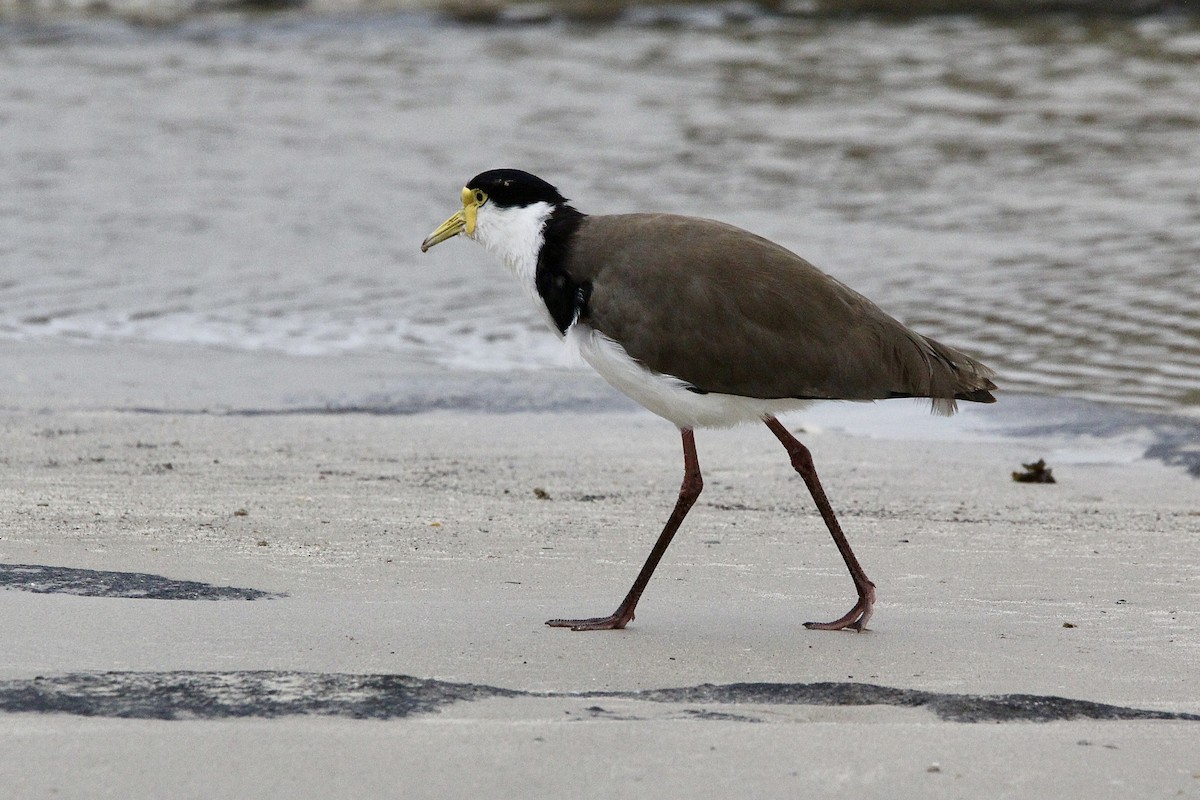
731 312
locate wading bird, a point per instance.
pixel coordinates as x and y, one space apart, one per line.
706 324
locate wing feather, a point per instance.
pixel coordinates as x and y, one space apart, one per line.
728 311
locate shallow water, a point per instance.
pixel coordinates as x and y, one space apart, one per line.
1028 191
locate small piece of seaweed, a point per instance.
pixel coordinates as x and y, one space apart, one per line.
1037 472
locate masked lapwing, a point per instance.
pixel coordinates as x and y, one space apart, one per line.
706 325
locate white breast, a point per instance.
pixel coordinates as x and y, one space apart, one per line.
666 395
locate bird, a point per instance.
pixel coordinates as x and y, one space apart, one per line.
706 325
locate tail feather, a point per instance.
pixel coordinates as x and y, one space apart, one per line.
978 395
956 376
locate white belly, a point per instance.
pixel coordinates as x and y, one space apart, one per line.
665 395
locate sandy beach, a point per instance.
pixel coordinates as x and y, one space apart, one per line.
221 592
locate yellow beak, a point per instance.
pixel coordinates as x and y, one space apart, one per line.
462 222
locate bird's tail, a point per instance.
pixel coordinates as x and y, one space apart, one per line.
956 376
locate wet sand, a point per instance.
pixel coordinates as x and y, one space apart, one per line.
399 568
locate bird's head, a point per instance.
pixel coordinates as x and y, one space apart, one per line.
500 205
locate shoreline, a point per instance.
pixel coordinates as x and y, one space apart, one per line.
155 378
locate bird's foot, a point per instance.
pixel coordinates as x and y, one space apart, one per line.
855 619
613 622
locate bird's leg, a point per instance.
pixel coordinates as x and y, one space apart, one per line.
856 618
693 483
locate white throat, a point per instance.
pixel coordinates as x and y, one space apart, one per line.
516 236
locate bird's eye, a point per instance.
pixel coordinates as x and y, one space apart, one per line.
480 197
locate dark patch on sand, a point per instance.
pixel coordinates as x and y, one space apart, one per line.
950 707
268 694
42 579
225 695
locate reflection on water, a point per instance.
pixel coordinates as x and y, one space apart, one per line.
1029 191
